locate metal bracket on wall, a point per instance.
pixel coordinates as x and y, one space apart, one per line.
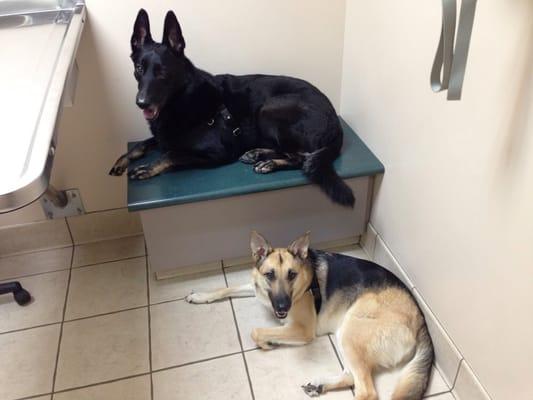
61 203
449 66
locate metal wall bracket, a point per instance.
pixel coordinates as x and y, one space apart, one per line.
61 203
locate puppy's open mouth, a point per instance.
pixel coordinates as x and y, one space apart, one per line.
151 112
281 314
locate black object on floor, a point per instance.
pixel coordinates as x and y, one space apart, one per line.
21 295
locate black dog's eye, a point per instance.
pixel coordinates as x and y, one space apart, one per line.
159 72
270 275
139 69
292 275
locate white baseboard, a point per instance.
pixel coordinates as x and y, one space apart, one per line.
449 361
337 245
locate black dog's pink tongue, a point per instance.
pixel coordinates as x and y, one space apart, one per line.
149 112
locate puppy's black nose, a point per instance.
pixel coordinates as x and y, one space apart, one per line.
142 103
282 307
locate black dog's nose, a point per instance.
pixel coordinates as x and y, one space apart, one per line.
142 103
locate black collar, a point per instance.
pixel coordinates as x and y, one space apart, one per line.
315 291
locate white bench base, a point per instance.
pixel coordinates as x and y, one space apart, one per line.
194 237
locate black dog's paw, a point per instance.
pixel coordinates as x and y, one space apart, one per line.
141 172
250 157
120 167
255 155
265 167
313 390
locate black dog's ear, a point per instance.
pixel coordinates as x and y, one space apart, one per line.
300 246
172 36
141 31
260 247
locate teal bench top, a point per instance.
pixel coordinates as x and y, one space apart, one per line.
194 185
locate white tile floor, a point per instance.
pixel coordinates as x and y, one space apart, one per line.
102 328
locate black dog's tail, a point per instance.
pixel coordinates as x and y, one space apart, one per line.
318 167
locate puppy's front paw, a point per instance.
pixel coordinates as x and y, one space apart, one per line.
263 344
313 390
198 298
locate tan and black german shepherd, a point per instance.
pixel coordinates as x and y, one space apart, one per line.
376 320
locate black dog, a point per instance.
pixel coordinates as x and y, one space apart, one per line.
203 120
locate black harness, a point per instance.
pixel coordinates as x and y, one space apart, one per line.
228 119
315 291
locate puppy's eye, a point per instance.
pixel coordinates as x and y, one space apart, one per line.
139 69
292 275
270 275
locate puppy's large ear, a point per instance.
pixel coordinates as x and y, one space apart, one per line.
172 36
141 31
300 246
260 247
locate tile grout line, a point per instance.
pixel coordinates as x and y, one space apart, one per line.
436 395
63 317
71 236
335 351
149 321
92 316
67 268
98 383
238 334
108 261
352 389
35 251
34 397
104 314
457 373
105 210
110 238
187 364
35 274
30 328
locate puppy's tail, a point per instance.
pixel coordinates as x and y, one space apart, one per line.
415 376
318 167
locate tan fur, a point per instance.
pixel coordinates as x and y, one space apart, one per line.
382 328
378 331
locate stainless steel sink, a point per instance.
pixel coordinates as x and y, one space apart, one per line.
33 6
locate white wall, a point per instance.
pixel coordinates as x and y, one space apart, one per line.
456 202
303 38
